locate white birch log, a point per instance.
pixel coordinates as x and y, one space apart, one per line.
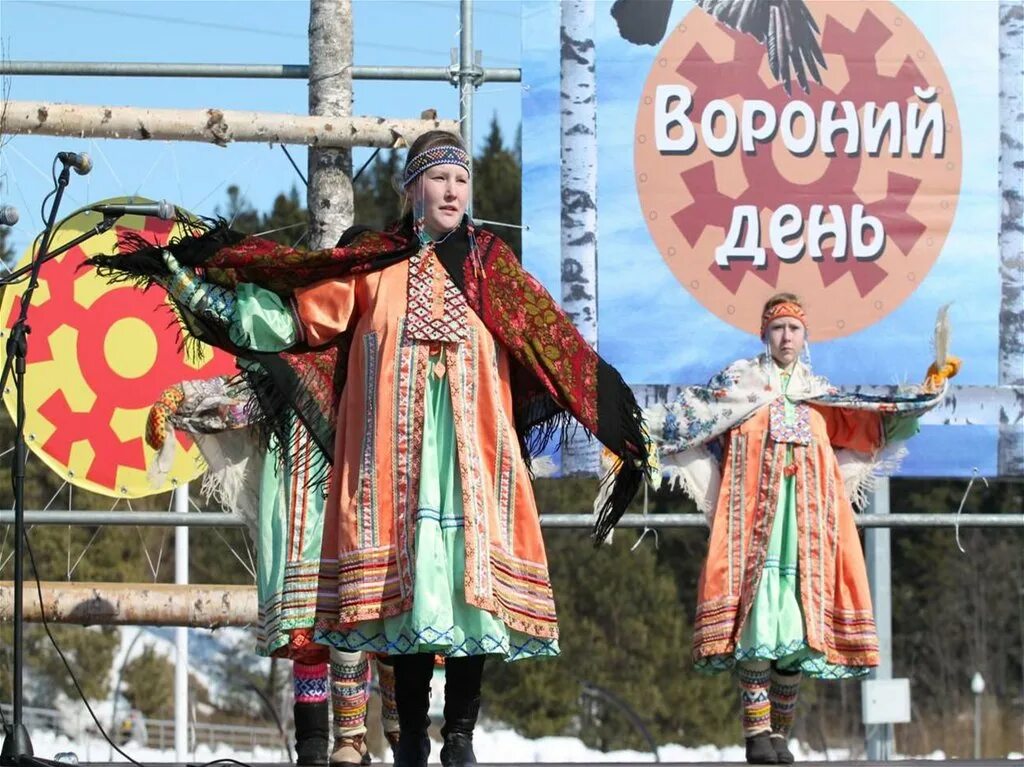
211 126
134 604
1011 230
329 196
579 196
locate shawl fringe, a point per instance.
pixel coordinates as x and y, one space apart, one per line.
631 471
697 473
138 261
861 470
272 412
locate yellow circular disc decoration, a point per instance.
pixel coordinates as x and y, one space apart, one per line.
99 356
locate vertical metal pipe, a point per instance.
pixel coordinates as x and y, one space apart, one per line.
978 688
467 79
879 737
181 635
977 726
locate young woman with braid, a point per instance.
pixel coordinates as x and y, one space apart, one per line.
427 365
284 516
774 455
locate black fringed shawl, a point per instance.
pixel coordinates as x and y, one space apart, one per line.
555 373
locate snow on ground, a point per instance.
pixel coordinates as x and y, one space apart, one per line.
208 650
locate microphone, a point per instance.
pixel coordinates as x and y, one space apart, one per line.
82 163
162 209
8 215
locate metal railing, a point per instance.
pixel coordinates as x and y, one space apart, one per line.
156 733
580 521
160 734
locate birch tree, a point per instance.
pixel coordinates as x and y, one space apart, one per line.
329 197
579 195
1011 230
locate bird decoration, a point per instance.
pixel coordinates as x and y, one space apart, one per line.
785 27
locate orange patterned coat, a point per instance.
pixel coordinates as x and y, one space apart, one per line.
367 559
834 592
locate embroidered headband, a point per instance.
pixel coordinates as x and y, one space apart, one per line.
446 154
785 309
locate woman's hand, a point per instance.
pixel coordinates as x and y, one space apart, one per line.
157 423
937 377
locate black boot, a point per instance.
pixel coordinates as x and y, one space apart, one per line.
312 732
760 749
781 745
461 708
412 698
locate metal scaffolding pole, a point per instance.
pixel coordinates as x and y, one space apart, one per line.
181 633
468 74
878 556
251 71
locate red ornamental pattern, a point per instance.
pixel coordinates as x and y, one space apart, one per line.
60 308
874 55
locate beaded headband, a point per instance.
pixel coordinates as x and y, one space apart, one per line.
785 309
446 154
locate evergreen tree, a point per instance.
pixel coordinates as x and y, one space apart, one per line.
497 187
89 651
377 202
955 613
7 254
625 616
625 641
148 684
287 221
239 213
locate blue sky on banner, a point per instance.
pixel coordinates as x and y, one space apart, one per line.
387 32
654 331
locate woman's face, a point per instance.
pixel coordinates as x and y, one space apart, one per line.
445 190
786 337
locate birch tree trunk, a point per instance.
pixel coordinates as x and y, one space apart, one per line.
1011 230
579 196
329 196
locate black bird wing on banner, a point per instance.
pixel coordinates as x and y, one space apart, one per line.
785 27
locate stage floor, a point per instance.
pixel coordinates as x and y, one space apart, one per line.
899 763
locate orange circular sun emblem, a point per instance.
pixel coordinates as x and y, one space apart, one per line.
99 356
844 195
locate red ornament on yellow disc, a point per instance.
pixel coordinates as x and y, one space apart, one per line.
99 356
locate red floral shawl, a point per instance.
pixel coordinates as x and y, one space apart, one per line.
555 374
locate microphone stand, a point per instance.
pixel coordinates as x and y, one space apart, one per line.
17 747
109 219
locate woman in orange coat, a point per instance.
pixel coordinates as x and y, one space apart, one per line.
784 589
426 365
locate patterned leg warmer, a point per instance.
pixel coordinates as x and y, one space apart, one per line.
309 682
349 692
783 694
754 678
389 709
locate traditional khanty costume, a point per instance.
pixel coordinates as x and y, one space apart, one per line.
284 516
426 371
774 458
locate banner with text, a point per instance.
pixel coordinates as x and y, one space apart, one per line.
843 151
